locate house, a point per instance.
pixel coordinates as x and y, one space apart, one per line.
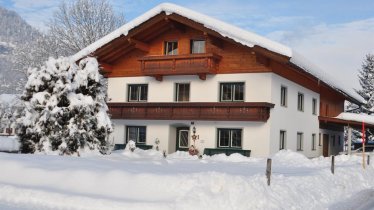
174 74
10 109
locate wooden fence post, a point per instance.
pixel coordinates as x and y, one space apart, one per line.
268 170
368 160
332 164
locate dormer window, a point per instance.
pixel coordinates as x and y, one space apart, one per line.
171 48
197 46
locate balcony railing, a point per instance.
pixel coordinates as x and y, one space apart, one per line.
191 64
241 111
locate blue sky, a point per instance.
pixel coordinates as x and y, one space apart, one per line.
333 34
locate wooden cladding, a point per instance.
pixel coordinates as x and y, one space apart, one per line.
189 64
241 111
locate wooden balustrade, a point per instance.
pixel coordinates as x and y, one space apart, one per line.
241 111
190 64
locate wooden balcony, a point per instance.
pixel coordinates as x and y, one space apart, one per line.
190 64
216 111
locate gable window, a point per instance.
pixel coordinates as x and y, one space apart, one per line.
282 140
314 106
313 141
283 101
232 92
138 93
299 143
182 92
197 46
171 48
136 134
300 102
229 137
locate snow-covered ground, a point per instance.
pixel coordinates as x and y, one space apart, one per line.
146 180
9 144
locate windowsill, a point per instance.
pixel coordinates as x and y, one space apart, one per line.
284 106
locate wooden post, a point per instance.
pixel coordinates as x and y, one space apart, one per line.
368 160
332 164
268 170
349 140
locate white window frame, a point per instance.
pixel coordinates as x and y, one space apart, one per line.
300 102
301 141
282 146
230 137
138 132
139 87
285 96
188 137
233 86
314 106
177 91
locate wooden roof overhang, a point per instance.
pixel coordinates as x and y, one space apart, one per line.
341 122
138 37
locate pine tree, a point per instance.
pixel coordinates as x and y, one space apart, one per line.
366 79
65 109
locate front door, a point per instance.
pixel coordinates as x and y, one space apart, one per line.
182 138
325 145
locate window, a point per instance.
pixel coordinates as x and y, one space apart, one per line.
229 137
300 102
339 141
299 146
314 106
313 141
182 91
333 140
136 133
197 46
319 139
171 48
282 140
138 93
283 96
232 92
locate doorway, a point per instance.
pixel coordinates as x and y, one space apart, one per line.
183 134
325 145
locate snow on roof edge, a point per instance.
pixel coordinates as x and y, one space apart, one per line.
356 117
303 63
226 30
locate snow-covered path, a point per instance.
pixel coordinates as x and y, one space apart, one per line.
146 180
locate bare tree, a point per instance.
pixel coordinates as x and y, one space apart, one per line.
77 24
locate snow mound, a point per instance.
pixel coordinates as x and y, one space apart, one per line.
9 144
291 158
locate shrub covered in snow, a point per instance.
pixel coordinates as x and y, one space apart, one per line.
65 108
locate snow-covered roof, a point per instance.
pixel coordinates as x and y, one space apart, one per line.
226 30
356 117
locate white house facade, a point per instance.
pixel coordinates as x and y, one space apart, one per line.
175 75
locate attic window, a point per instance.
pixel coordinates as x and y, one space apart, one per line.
171 48
197 46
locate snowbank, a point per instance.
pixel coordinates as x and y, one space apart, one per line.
147 180
9 144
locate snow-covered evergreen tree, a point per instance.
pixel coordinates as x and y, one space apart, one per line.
366 79
65 109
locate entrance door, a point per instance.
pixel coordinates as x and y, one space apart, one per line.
182 138
325 145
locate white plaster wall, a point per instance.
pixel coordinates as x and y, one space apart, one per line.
255 134
257 87
292 120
